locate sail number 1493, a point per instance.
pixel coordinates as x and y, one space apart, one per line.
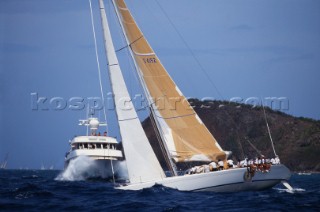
150 60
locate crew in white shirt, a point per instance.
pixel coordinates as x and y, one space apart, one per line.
220 164
206 168
230 163
214 166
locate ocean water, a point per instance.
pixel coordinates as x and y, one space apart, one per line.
42 190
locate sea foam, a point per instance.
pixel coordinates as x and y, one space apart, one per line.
294 190
81 168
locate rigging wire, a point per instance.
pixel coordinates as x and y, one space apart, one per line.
113 177
100 80
161 144
200 66
98 63
151 13
128 45
237 132
87 119
269 132
190 50
258 151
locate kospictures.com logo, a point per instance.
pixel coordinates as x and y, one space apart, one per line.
43 103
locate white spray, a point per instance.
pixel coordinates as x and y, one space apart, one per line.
81 168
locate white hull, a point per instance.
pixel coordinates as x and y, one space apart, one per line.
101 160
231 180
96 154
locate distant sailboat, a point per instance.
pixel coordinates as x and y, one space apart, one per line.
184 136
4 163
42 167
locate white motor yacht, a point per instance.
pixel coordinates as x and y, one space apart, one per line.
102 149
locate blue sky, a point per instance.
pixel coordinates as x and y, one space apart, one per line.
248 48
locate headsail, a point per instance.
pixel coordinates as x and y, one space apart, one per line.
187 138
141 161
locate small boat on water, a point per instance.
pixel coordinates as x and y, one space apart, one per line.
104 150
3 164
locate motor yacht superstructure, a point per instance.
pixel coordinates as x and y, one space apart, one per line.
103 149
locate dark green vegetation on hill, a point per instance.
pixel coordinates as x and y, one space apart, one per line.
297 140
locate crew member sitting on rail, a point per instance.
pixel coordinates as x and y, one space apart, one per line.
206 168
230 163
244 163
213 166
220 164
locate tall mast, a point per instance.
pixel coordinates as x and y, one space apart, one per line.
142 163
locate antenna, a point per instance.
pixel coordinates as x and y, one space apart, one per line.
91 112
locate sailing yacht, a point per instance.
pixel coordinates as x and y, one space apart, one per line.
42 167
3 164
183 135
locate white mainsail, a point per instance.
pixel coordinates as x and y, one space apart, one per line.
142 163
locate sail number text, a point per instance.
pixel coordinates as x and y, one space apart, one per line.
150 60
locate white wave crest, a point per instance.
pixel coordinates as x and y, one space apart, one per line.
81 168
294 190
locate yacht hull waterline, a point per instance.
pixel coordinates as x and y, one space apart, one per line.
231 180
